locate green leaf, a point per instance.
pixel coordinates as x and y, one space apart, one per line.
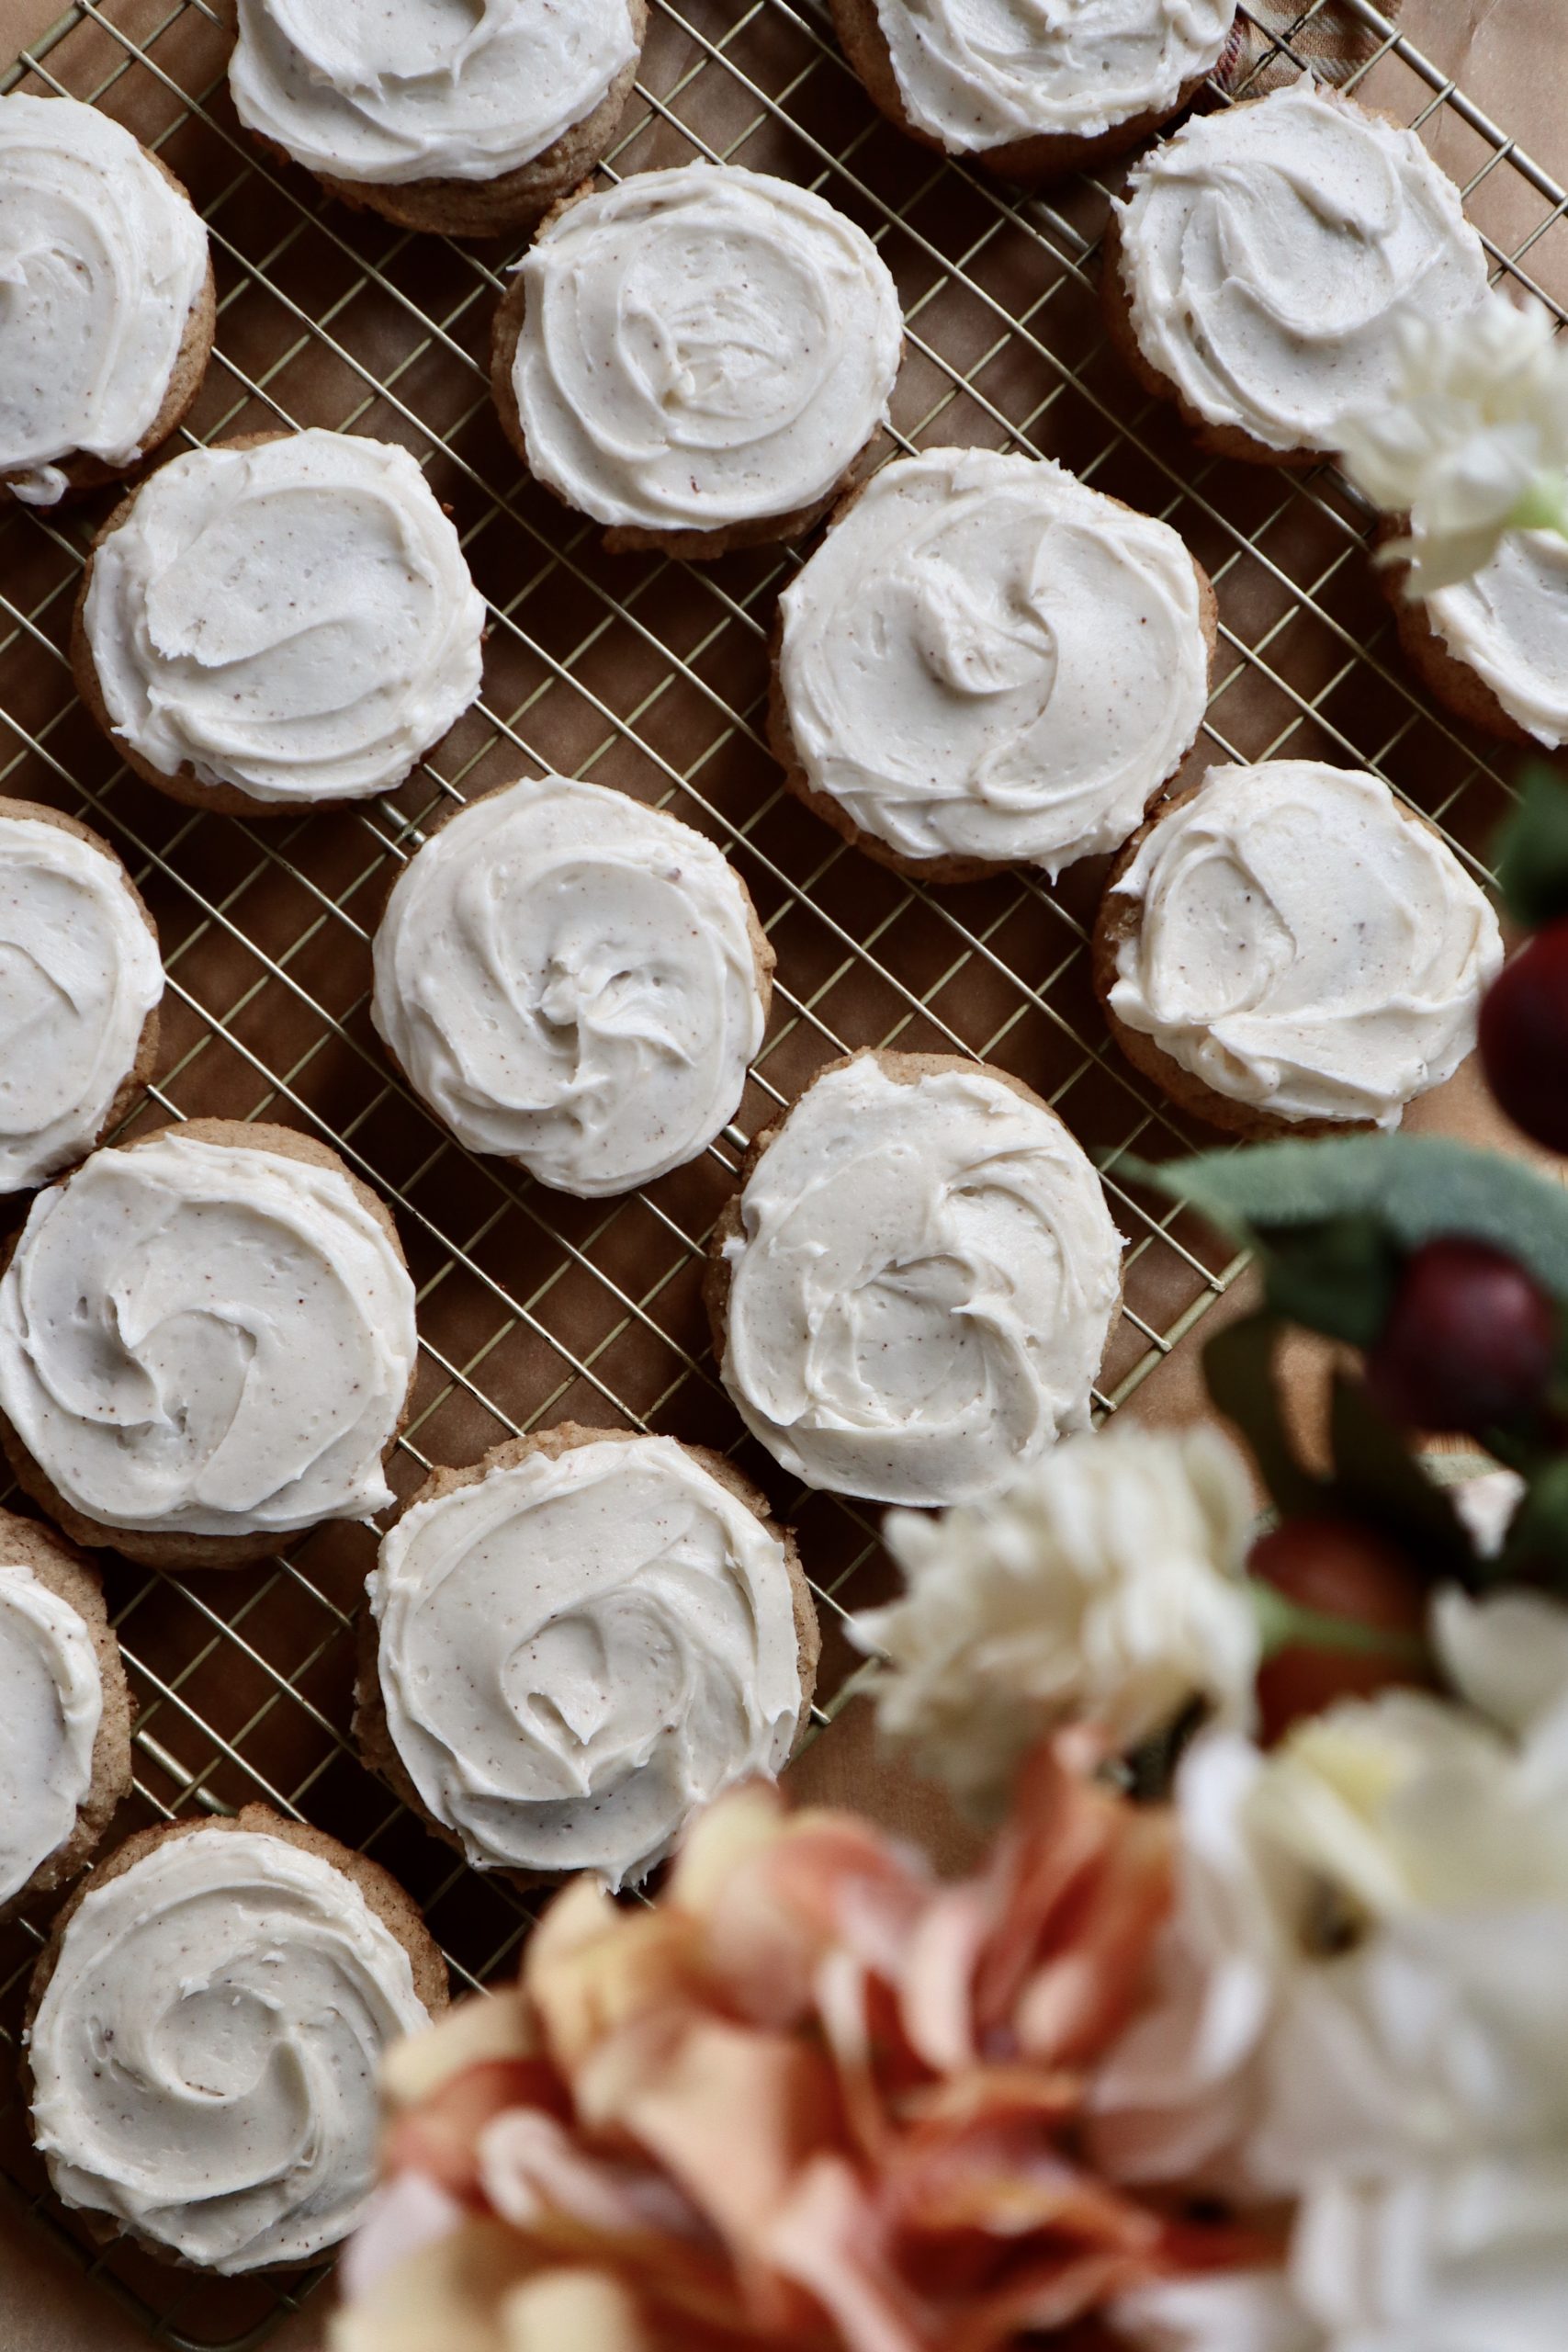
1238 1368
1376 1477
1536 1547
1413 1187
1530 851
1337 1277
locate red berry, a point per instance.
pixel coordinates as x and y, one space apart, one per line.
1523 1037
1469 1342
1341 1569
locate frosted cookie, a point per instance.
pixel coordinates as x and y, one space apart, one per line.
1493 649
81 980
697 357
574 981
911 1293
579 1642
987 664
207 1343
205 2024
471 121
1287 949
1262 265
106 299
1032 92
64 1712
278 623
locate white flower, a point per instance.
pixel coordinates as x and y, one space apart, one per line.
1105 1587
1472 443
1389 1892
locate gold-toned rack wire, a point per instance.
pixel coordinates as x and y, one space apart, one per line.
650 675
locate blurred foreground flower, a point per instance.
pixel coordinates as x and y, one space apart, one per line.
1472 442
812 2099
1106 1588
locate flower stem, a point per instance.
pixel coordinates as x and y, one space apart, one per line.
1283 1622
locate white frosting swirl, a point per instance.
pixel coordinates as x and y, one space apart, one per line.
568 977
204 2057
51 1700
296 620
978 73
986 658
1271 253
100 263
1509 624
387 91
1303 946
576 1653
922 1285
703 347
79 974
204 1339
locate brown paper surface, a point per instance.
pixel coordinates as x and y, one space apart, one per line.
1511 56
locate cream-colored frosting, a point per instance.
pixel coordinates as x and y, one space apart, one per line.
79 974
1303 945
1271 253
296 620
100 263
568 977
986 658
576 1653
208 1339
978 73
204 2057
51 1700
921 1288
701 347
1509 624
387 91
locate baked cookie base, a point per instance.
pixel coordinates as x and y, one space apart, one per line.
939 870
71 1577
175 1549
626 539
139 1076
393 1905
84 474
372 1732
1462 691
1049 155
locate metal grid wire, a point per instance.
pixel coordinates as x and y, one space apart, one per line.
650 675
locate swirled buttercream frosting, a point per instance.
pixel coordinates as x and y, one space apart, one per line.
1509 624
568 977
79 974
387 91
204 2056
576 1650
203 1338
978 73
295 620
701 347
101 262
1301 945
1271 255
921 1285
51 1700
988 659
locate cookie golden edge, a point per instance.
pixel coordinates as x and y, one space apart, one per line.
177 1550
372 1732
386 1897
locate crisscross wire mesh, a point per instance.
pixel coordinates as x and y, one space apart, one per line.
650 675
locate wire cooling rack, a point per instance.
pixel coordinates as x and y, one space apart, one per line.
650 675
